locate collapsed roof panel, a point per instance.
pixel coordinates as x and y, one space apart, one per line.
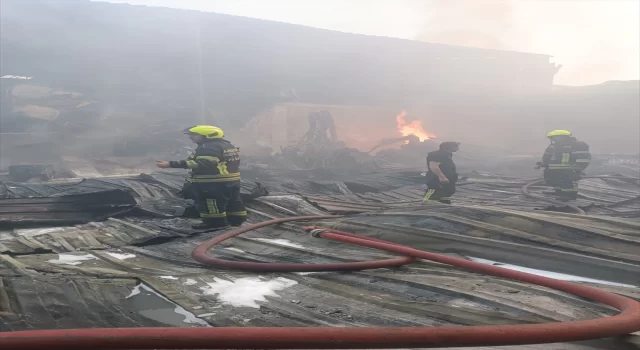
35 302
66 209
138 264
423 293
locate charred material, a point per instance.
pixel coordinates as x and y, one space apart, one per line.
316 156
24 173
72 209
320 148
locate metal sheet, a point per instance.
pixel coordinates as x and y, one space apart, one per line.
68 209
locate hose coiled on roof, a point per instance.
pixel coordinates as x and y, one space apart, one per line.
628 321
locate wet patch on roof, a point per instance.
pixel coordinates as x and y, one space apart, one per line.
554 275
150 304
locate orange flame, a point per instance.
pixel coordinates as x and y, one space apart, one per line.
411 128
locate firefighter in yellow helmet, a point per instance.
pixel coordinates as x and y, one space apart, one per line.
214 178
564 162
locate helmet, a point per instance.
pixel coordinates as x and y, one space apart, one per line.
559 133
208 131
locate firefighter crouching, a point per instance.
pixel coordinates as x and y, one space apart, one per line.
441 174
214 178
564 162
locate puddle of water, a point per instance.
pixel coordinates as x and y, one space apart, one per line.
155 306
554 275
280 241
246 291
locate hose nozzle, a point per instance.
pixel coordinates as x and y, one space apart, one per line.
317 232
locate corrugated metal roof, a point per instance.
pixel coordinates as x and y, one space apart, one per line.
78 208
420 294
602 196
107 272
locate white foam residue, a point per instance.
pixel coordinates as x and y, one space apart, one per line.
246 291
190 282
121 256
168 277
280 241
70 259
554 275
235 250
188 316
134 292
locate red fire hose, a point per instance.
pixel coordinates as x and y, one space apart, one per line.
628 321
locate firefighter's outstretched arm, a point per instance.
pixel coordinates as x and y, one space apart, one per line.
204 159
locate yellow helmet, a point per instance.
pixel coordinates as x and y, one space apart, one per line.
559 133
208 131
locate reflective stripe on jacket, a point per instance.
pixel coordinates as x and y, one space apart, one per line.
214 160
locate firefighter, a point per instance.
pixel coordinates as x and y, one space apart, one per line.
564 162
441 174
214 178
319 124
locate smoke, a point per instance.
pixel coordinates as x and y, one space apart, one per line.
484 24
595 40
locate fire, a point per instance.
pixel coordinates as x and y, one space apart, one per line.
411 128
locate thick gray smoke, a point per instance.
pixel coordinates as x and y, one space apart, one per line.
485 24
595 41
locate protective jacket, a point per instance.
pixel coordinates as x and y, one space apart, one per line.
214 160
572 155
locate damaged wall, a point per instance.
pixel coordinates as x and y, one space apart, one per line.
181 61
153 77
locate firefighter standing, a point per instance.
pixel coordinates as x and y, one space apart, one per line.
564 162
214 178
441 176
319 124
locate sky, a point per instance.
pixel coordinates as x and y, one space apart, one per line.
594 40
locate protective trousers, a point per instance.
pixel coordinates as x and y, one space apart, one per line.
564 182
437 191
219 204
